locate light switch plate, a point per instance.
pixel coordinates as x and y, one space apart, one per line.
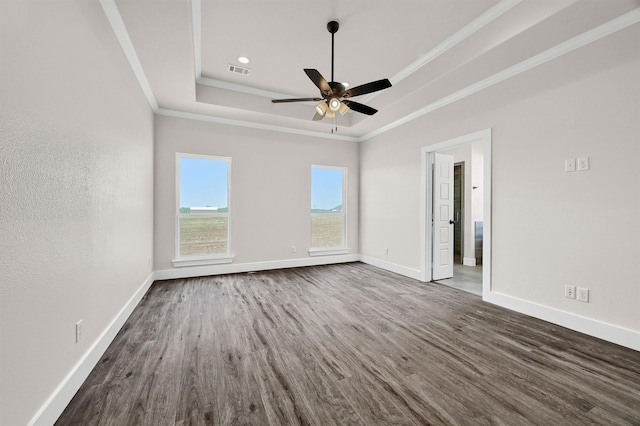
570 165
570 291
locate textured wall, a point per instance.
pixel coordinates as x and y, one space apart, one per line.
550 228
76 199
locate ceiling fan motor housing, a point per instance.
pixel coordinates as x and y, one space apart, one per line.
336 87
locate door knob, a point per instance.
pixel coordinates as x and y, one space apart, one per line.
452 222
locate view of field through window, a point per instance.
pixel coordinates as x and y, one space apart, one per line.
203 212
327 212
326 230
203 215
203 235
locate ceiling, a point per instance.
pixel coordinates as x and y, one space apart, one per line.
434 52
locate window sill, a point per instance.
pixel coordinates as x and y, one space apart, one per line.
327 251
202 261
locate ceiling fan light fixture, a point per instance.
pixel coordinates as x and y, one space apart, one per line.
321 108
343 108
334 104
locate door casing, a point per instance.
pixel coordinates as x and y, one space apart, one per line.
426 195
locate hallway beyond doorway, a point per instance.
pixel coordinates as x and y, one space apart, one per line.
465 278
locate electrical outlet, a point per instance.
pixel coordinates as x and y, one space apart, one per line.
570 291
293 249
570 165
583 294
386 251
78 331
583 163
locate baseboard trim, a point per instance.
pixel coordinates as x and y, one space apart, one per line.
469 261
602 330
393 267
234 268
60 398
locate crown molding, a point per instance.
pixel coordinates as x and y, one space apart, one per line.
120 30
196 23
468 30
597 33
465 32
196 18
561 49
221 84
253 125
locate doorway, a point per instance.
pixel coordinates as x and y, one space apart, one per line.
465 269
471 213
458 212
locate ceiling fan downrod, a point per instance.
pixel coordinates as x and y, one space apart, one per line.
333 27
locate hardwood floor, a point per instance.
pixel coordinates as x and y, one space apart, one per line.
467 278
348 344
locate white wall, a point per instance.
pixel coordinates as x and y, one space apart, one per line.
76 199
270 189
550 228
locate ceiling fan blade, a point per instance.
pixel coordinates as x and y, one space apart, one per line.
363 89
318 80
279 101
358 107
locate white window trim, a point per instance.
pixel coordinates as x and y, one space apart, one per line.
202 261
328 251
213 259
343 248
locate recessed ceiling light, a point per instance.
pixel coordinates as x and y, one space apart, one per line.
243 59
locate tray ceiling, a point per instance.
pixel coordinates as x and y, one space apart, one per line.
435 52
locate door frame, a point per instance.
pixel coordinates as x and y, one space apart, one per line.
426 196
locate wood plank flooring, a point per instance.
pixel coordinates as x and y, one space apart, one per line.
467 278
348 344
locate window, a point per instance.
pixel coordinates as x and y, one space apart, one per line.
328 219
202 210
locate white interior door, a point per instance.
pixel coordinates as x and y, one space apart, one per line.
442 216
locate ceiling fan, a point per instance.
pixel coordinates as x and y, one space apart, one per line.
333 94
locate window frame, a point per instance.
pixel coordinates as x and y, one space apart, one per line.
343 247
207 259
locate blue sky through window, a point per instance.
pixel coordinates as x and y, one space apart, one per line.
203 182
326 188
